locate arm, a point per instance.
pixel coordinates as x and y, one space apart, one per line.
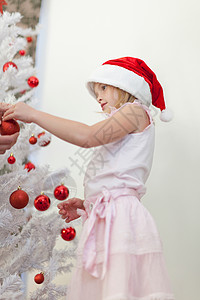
70 131
128 119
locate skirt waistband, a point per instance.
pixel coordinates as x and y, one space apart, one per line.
116 192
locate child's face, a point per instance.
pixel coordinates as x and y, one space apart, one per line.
106 95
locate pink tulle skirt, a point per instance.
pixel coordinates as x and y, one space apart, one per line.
135 268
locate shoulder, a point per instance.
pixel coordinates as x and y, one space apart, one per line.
130 118
133 113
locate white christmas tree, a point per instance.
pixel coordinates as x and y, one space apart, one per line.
27 235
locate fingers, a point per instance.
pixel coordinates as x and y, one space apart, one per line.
66 204
64 215
14 138
4 107
2 151
1 114
9 114
65 210
61 205
7 141
9 117
62 212
14 135
68 210
68 220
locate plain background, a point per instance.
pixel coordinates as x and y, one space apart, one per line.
78 36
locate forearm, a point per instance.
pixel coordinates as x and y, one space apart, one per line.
70 131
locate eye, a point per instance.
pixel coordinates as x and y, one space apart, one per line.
103 87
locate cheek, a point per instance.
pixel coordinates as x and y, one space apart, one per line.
115 95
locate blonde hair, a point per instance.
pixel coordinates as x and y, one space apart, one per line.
123 97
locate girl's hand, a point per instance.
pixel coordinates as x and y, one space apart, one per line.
68 209
19 111
3 107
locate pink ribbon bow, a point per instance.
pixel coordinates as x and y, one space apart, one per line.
103 208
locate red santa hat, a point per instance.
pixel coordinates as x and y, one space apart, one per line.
135 77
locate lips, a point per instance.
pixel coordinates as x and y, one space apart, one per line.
102 105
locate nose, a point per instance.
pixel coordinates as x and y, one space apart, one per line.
99 99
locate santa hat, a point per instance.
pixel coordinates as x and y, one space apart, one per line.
135 77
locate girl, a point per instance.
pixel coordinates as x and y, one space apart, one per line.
120 255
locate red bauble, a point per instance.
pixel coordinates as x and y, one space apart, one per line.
33 81
42 202
41 142
8 64
33 140
22 52
68 234
11 159
61 192
29 166
19 199
39 278
9 127
29 39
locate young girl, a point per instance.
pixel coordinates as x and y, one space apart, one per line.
120 255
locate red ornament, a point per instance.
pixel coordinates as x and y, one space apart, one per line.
33 81
39 278
29 39
11 159
2 2
42 202
41 142
19 199
68 234
61 192
8 64
9 127
33 140
22 52
29 166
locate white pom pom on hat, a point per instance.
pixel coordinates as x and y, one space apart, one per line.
166 115
135 77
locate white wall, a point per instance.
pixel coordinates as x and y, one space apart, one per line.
79 35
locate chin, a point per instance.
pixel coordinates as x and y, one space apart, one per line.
106 110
